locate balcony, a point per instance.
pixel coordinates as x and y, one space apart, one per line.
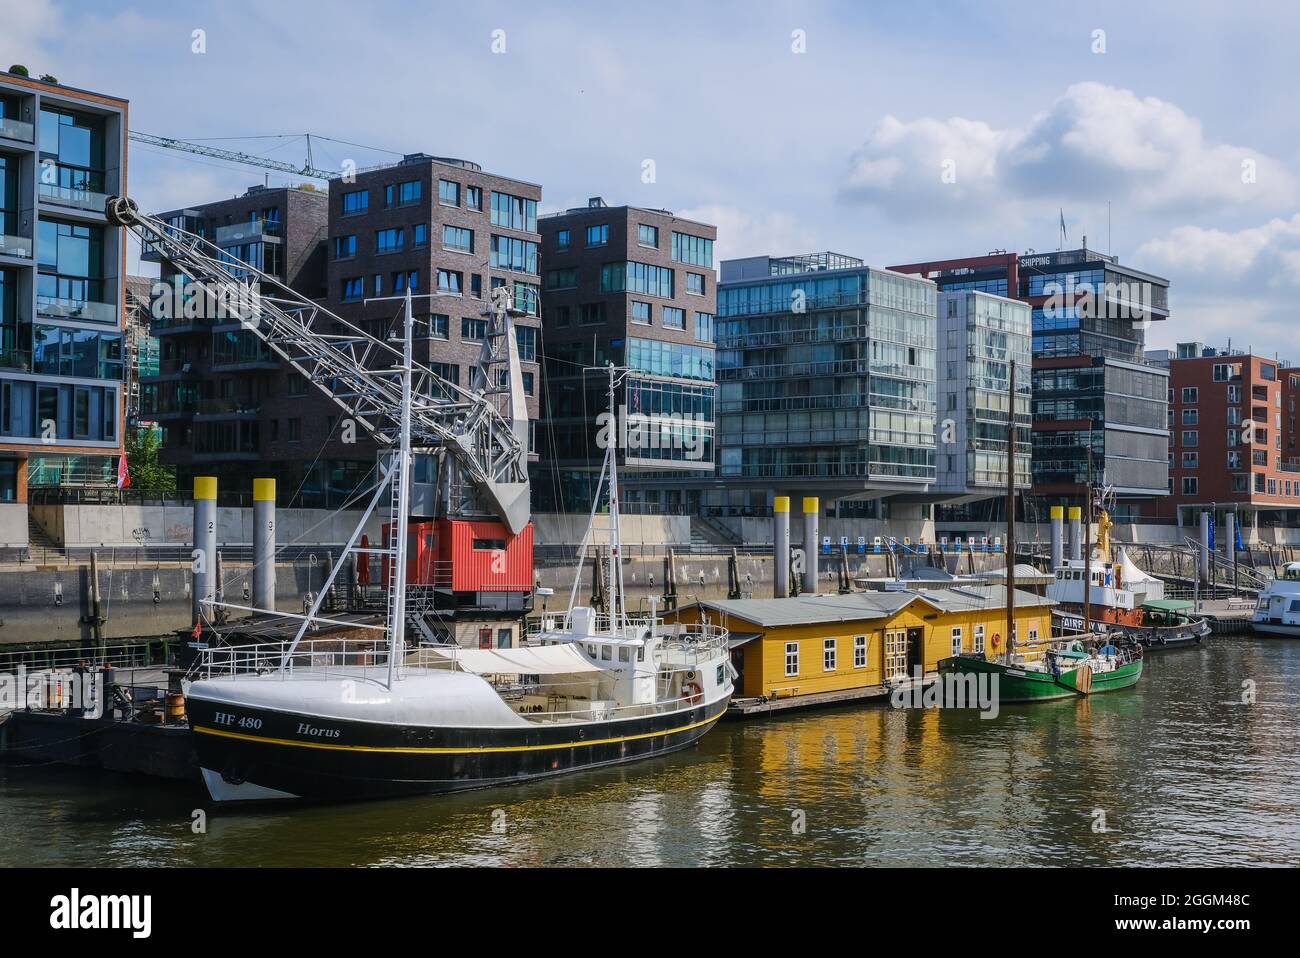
19 359
250 232
19 247
226 408
80 195
51 307
12 129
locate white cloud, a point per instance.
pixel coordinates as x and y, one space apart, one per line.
1094 143
28 24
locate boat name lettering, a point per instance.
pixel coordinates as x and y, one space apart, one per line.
229 718
305 729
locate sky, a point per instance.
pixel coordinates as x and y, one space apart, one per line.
1166 133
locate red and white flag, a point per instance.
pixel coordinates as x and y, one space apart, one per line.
123 478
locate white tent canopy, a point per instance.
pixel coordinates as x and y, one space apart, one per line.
1135 580
561 659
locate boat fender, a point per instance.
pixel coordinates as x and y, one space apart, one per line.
691 691
997 639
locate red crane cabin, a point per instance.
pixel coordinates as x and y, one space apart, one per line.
467 555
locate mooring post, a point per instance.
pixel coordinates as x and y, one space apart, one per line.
264 544
781 547
205 546
811 510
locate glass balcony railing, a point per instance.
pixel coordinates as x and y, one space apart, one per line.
249 232
55 308
82 192
12 129
18 246
19 359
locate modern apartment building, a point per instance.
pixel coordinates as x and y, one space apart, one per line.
62 151
1092 386
635 287
980 336
222 397
827 384
1231 424
451 233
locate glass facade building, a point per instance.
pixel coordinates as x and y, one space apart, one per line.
826 379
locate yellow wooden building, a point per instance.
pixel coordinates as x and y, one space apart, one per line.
819 648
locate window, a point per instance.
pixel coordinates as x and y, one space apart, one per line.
695 284
390 241
1191 394
379 284
526 340
1190 437
597 235
489 545
859 651
704 327
562 239
419 235
1234 460
562 279
1234 394
695 250
408 193
637 278
1191 460
647 235
591 314
295 429
353 289
449 281
439 326
641 313
792 658
528 383
356 202
405 278
1191 417
674 318
979 639
828 655
956 640
516 254
514 212
1190 485
458 238
474 198
473 330
345 247
1222 372
296 384
448 193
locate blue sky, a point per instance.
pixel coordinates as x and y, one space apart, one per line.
842 146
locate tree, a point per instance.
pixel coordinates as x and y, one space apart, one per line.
18 70
148 475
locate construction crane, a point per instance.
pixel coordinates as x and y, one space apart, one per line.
247 159
477 437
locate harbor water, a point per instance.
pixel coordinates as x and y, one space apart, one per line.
1198 765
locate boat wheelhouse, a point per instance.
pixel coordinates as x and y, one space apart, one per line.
1277 611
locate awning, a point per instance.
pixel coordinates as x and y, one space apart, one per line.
531 660
738 639
1168 605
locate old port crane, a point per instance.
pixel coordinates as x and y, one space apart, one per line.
469 483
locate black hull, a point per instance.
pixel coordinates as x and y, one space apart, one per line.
246 751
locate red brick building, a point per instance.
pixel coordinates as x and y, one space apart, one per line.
1232 436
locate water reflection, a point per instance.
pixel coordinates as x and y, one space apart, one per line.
1178 770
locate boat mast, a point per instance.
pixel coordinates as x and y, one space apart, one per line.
401 511
615 543
1011 518
1087 545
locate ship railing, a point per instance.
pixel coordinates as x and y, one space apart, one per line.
604 713
364 659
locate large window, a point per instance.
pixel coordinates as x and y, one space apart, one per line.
561 279
390 240
597 235
458 238
448 193
695 250
791 658
408 193
514 212
704 327
637 278
358 201
450 281
71 261
647 235
674 318
515 254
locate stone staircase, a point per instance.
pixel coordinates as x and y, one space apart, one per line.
42 549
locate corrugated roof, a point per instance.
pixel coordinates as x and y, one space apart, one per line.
857 606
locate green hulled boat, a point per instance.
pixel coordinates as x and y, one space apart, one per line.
1055 673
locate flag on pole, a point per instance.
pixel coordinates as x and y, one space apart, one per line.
123 477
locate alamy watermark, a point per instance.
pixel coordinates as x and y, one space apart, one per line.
653 431
77 690
955 690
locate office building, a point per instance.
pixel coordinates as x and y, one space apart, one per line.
1231 425
634 287
827 384
1093 389
62 152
